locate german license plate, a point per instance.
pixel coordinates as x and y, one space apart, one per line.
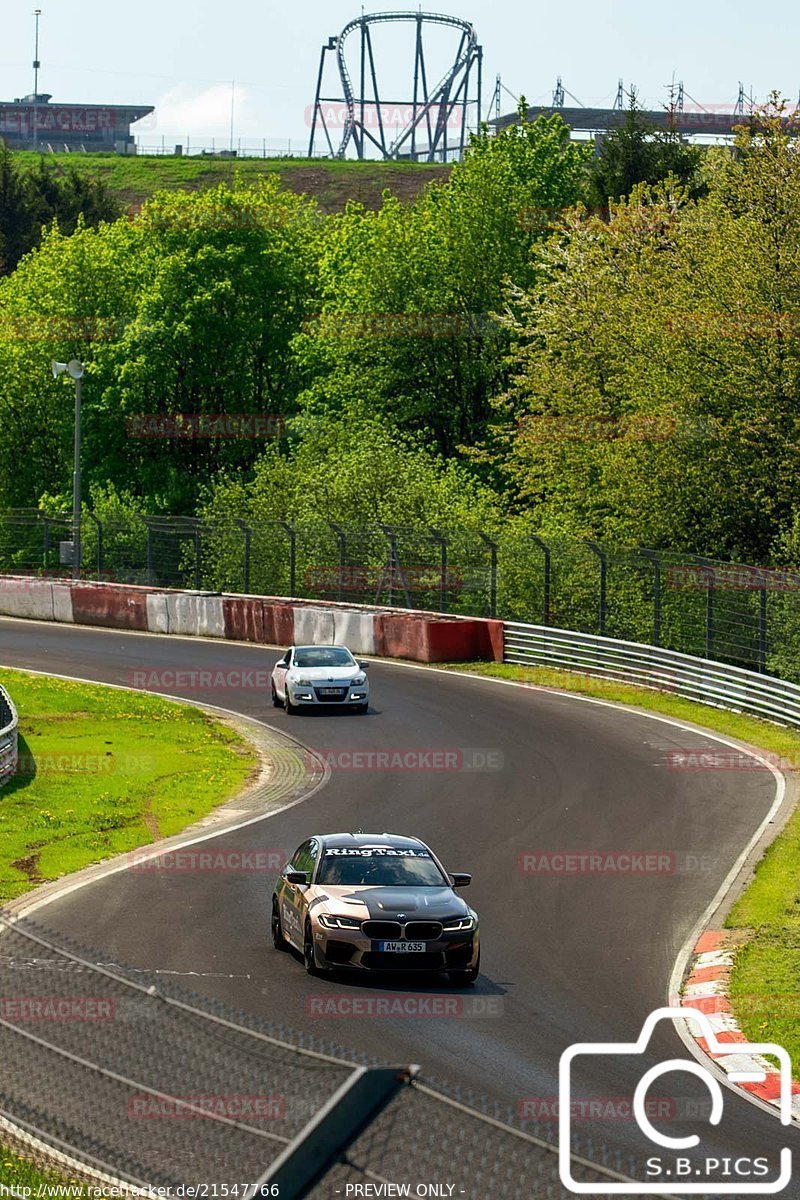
402 947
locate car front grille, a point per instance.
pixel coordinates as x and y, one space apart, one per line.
423 931
385 931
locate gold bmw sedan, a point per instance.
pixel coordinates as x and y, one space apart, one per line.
375 902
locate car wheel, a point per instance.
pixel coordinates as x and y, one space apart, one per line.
361 709
466 978
278 940
309 954
276 702
289 708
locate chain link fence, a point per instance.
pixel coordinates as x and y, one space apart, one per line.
747 616
157 1087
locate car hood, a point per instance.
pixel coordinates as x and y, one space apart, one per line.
323 674
431 903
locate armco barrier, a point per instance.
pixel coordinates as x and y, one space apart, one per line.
649 666
268 620
8 737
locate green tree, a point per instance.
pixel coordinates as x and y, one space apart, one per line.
639 152
189 309
656 383
408 292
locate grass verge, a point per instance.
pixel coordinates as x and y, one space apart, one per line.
765 983
105 771
331 182
18 1174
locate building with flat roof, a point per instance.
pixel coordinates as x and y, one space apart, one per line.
689 123
33 123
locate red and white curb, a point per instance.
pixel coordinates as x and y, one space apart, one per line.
706 989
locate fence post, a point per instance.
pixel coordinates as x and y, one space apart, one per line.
709 612
150 573
247 541
545 549
327 1137
292 556
342 539
492 573
603 560
441 542
99 527
46 544
653 558
198 582
394 567
762 629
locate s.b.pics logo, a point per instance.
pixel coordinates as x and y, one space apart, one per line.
679 1164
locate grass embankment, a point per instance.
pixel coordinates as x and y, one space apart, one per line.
105 771
331 182
765 984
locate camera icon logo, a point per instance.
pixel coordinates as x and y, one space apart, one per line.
674 1179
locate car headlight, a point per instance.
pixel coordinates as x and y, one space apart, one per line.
359 681
302 682
459 924
331 922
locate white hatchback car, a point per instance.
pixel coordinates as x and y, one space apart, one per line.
314 675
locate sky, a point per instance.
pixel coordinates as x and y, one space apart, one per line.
200 62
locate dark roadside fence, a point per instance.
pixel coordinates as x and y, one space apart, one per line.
733 613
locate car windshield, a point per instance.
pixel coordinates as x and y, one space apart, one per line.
379 867
323 656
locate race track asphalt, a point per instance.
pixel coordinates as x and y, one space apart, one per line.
582 956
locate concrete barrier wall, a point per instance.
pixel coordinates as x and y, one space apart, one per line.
113 607
314 626
265 620
195 615
356 630
24 597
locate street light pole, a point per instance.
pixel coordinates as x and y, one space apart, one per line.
76 484
76 371
36 65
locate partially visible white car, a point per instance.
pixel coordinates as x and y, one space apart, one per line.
313 675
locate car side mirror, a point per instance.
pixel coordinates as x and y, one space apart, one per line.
460 879
297 877
364 666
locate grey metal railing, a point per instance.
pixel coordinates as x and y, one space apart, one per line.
8 737
650 666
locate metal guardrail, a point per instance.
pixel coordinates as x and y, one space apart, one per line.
700 679
9 752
